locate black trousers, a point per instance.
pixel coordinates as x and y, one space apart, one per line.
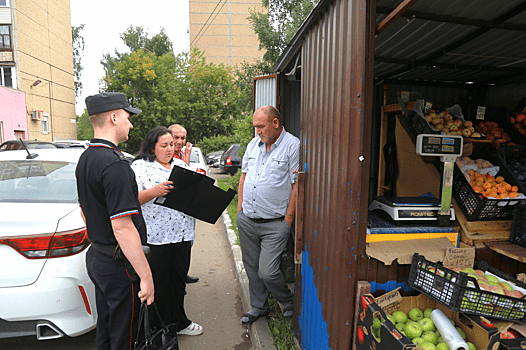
117 302
169 264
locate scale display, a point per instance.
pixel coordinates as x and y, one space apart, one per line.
439 145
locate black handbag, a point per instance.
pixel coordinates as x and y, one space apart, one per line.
154 338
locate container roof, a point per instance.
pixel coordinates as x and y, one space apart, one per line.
457 41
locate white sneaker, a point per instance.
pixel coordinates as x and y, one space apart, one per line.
192 329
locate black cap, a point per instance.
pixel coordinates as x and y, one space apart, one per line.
109 101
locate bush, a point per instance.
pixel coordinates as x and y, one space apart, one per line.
243 133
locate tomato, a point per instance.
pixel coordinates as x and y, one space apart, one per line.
520 118
518 125
510 334
512 120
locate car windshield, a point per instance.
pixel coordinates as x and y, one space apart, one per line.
37 181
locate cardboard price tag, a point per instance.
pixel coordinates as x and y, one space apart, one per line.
522 277
459 257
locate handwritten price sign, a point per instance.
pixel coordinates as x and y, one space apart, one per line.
459 257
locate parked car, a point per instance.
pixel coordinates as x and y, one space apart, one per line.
44 285
13 145
231 159
73 143
213 158
197 162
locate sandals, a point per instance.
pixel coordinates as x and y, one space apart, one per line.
249 318
288 312
192 329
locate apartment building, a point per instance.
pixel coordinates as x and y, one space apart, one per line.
221 30
36 59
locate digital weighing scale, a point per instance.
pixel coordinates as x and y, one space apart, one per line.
448 148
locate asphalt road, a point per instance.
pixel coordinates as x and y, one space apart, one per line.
213 302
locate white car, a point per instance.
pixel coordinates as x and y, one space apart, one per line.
198 163
73 143
44 285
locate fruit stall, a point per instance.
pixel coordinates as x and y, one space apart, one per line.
358 84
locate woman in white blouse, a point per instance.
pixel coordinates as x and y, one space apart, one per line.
170 232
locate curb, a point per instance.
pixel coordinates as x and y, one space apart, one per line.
260 334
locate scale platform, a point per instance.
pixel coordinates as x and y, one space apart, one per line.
410 208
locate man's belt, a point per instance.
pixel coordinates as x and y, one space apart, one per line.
264 221
106 249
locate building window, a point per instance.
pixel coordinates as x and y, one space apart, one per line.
5 36
45 124
7 76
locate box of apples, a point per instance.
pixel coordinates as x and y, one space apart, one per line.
393 322
483 291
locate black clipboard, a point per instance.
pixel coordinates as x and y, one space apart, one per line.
195 194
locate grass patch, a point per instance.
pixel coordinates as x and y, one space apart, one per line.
282 331
233 183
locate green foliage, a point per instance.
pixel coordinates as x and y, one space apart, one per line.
78 50
245 74
243 135
276 28
281 329
183 89
84 128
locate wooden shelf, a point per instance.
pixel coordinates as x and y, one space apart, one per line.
508 249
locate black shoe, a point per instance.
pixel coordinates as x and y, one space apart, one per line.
190 279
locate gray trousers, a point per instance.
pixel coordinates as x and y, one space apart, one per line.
262 245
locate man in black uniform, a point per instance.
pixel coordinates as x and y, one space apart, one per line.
110 207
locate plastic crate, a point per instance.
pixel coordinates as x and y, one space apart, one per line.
518 226
461 293
507 155
474 205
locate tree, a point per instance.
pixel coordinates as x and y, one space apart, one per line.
169 89
84 128
78 50
276 28
245 74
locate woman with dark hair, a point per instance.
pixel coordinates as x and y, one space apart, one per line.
170 232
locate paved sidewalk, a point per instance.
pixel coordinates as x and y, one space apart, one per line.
214 301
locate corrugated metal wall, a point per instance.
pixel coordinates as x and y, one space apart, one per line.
336 106
266 91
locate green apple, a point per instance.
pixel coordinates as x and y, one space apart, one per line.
400 326
416 314
391 318
430 337
438 333
427 312
442 346
400 316
440 339
376 323
427 324
506 285
461 332
413 330
468 270
492 278
418 341
427 346
471 346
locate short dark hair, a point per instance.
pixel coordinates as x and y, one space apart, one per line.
147 150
